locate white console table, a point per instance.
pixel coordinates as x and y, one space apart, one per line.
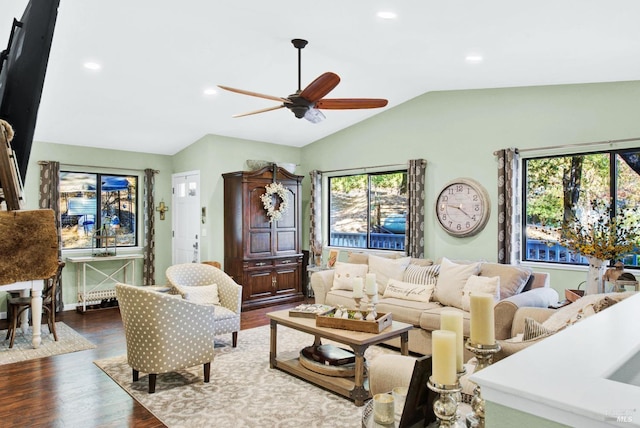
97 291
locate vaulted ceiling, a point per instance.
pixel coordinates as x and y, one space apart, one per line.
157 58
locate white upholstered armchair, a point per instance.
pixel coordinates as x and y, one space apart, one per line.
165 333
195 281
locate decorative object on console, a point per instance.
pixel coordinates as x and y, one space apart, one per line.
598 236
462 207
333 258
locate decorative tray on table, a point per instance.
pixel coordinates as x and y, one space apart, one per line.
310 310
329 320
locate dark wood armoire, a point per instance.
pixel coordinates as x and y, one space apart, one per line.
264 256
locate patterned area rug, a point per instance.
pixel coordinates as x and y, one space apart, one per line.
68 341
244 392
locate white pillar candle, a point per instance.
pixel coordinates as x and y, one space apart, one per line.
451 320
358 287
482 319
444 357
371 286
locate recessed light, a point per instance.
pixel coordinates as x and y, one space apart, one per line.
387 15
92 65
210 91
473 58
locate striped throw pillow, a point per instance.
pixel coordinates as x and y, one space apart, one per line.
415 274
534 330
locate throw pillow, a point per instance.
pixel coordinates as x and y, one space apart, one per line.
358 258
344 274
480 284
421 262
203 294
408 291
533 330
512 278
421 274
451 280
386 269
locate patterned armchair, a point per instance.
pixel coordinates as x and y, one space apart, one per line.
165 333
183 276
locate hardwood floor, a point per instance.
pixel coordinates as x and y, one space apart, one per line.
69 390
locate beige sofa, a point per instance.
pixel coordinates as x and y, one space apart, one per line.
518 287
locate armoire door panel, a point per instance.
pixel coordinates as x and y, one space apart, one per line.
259 243
286 240
287 280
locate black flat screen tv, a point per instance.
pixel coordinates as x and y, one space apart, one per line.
23 65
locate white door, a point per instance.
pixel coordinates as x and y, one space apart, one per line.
186 217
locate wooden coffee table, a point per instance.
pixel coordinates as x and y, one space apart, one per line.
353 387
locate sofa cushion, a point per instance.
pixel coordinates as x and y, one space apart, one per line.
480 284
430 319
386 269
512 278
408 291
451 280
580 309
345 273
408 311
416 274
340 297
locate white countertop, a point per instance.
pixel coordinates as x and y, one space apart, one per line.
566 377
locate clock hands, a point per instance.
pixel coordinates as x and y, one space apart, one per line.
460 208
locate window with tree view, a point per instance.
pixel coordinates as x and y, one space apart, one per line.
91 202
581 205
368 210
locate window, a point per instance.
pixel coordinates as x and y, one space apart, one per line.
90 202
368 210
560 187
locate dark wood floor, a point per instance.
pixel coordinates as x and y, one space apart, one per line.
69 390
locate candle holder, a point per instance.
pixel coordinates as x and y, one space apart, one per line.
445 406
371 307
357 314
484 355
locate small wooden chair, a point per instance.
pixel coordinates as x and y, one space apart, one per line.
16 306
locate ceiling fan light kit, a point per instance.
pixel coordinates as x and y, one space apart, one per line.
307 102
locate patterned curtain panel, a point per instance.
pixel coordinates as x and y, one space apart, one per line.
50 199
509 234
315 211
149 263
414 235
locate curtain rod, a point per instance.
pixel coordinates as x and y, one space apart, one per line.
565 146
155 171
364 168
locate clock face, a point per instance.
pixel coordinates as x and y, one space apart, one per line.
462 207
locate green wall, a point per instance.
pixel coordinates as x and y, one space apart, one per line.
455 131
112 161
213 156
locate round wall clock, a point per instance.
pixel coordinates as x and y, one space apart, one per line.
462 207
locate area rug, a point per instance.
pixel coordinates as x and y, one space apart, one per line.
68 341
244 392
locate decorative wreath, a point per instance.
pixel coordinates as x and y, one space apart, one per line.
267 201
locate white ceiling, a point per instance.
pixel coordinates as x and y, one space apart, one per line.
158 56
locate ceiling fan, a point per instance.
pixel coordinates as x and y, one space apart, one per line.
309 101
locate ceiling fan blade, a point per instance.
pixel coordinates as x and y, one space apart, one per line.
254 94
258 111
350 103
320 87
